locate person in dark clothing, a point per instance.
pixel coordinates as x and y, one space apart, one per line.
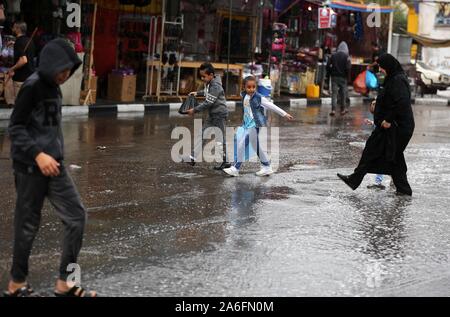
216 105
394 121
376 53
37 151
23 57
338 68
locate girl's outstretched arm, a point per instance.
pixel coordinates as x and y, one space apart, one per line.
267 104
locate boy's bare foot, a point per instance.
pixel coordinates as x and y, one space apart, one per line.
18 290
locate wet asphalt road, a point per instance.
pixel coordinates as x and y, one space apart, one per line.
157 228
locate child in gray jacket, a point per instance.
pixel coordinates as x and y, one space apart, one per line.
216 105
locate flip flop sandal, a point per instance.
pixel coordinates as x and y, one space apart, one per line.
25 291
76 292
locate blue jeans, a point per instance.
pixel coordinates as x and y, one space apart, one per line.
379 179
251 137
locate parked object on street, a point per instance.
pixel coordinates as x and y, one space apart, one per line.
444 93
430 80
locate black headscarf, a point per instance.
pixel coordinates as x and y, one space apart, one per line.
390 64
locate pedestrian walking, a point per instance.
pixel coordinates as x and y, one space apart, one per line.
23 59
338 68
37 150
254 119
216 105
394 120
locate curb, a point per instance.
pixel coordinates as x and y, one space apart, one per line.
93 110
303 102
431 101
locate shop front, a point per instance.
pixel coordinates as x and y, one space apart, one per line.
222 32
355 25
153 49
45 20
312 31
296 66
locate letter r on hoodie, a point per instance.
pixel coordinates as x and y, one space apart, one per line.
51 113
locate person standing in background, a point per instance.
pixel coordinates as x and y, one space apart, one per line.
23 57
339 67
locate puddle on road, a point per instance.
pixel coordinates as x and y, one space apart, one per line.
276 193
184 175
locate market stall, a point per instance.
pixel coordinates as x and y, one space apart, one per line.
45 21
301 52
358 34
200 32
313 30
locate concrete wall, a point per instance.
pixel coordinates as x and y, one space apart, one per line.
438 57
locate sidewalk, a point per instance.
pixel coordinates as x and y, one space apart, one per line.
284 101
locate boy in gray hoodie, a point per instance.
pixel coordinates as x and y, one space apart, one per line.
216 105
37 151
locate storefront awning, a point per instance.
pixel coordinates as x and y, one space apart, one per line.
351 6
429 42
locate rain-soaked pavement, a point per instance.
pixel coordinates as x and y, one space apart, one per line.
157 228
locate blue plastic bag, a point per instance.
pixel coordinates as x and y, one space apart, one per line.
371 80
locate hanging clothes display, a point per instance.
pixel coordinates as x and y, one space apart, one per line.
13 6
358 27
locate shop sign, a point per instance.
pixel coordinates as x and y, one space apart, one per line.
324 18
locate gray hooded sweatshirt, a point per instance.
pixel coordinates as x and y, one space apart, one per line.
340 63
35 124
215 99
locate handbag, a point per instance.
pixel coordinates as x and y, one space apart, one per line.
189 103
360 83
371 80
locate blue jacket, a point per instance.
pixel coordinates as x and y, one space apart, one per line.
257 109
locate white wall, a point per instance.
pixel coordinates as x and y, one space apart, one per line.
439 57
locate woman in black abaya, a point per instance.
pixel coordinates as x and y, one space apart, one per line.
395 125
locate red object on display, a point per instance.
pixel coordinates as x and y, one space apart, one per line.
106 40
75 38
324 18
359 85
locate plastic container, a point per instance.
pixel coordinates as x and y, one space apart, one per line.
265 87
312 91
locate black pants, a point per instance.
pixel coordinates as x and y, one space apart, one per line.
399 168
213 122
339 93
32 188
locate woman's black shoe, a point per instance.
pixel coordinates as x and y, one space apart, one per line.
403 194
346 179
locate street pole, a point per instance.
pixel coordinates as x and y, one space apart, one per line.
391 25
229 45
260 26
